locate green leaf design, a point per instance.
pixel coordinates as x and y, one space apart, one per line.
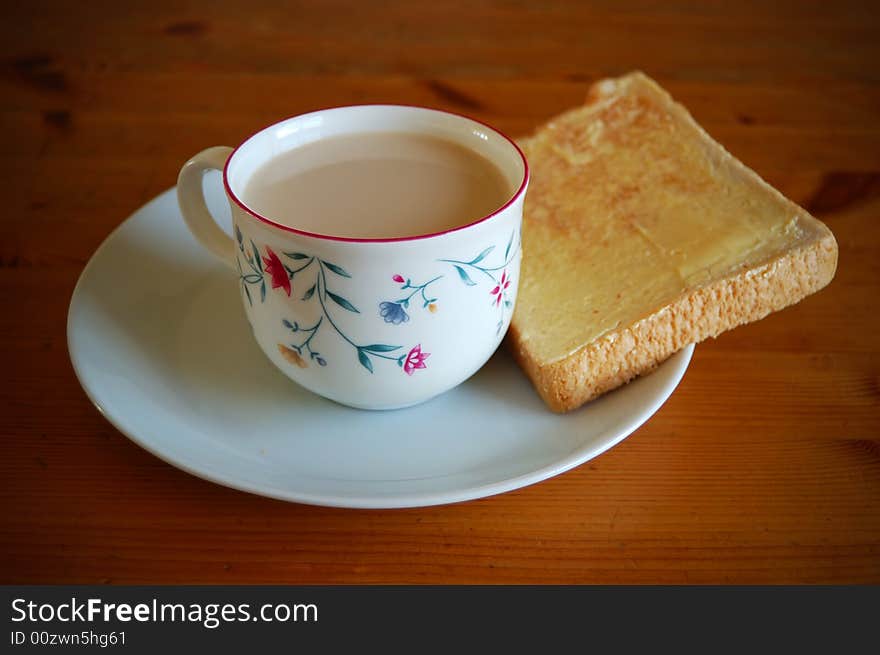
308 294
364 360
296 255
263 291
380 348
509 243
336 269
482 255
465 277
247 292
342 302
257 256
252 278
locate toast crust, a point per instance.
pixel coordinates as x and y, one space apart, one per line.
804 262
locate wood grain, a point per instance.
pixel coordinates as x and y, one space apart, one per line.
763 467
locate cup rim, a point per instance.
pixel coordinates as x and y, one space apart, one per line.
329 237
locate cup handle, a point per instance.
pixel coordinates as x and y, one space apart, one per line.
191 198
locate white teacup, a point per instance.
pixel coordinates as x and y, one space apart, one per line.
370 323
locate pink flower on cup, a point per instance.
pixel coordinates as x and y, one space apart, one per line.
398 278
415 360
276 271
500 288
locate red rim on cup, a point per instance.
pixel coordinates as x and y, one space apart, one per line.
268 221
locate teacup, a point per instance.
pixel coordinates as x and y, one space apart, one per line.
373 323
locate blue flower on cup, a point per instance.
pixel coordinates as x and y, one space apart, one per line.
393 312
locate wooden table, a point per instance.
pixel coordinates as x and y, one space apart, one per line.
764 466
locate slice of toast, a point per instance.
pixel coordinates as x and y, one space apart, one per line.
641 235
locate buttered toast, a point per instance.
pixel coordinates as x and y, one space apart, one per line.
641 235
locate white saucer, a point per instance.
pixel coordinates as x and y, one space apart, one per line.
208 402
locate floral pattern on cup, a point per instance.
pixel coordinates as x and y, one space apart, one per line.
281 275
319 292
479 268
302 350
295 353
276 270
260 268
395 311
499 293
415 359
255 277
